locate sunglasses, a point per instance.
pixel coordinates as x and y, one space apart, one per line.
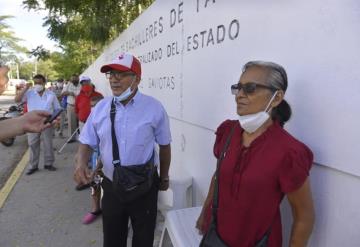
118 75
248 88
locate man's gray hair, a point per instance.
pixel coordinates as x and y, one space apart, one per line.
277 77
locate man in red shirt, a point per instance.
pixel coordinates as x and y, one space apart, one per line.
83 102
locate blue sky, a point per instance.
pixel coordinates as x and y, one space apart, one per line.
27 25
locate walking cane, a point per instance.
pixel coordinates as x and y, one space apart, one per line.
67 141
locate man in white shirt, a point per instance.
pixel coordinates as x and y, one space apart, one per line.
71 90
39 98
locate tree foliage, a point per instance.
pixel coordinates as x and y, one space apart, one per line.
82 29
9 43
40 53
76 57
97 21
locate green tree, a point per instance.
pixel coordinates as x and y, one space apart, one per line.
9 43
83 28
75 58
40 53
26 70
98 21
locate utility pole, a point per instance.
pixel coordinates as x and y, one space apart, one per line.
17 71
35 72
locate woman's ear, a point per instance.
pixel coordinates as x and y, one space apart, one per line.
278 98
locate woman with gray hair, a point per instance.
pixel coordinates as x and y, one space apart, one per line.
263 163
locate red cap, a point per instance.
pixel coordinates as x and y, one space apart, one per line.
124 62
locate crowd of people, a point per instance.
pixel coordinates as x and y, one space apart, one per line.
117 135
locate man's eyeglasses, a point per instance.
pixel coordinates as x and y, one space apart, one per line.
249 88
118 75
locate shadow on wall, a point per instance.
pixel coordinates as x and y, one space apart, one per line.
3 78
320 189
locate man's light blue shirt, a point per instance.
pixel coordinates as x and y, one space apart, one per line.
139 125
47 101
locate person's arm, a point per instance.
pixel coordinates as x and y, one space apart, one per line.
201 220
56 103
20 95
303 215
82 174
165 159
66 92
76 108
29 122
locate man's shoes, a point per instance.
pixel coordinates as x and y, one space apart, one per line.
31 171
50 168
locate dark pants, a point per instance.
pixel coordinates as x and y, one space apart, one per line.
142 213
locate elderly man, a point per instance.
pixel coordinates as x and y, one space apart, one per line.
39 98
126 128
71 90
33 121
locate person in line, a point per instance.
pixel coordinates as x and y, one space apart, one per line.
83 100
71 90
140 122
40 98
263 163
57 89
96 167
83 108
29 122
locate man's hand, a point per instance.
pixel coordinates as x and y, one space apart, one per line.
68 93
82 174
33 121
164 184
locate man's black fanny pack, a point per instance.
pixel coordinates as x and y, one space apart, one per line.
132 181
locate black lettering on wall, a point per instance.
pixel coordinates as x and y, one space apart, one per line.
220 38
234 29
205 4
176 15
161 27
210 38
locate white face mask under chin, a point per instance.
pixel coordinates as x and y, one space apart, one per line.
251 122
126 94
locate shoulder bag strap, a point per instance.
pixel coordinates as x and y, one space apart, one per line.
216 178
115 146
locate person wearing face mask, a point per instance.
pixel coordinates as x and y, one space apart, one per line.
39 98
126 127
262 163
71 90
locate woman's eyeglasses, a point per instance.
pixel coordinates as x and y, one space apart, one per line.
118 75
249 88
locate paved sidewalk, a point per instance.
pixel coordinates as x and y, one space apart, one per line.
45 210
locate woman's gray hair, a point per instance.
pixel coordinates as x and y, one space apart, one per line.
277 77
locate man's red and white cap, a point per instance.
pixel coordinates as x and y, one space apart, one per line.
123 62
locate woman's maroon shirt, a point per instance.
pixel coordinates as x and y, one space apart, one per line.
253 181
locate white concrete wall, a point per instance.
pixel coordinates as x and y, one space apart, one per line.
317 41
337 204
